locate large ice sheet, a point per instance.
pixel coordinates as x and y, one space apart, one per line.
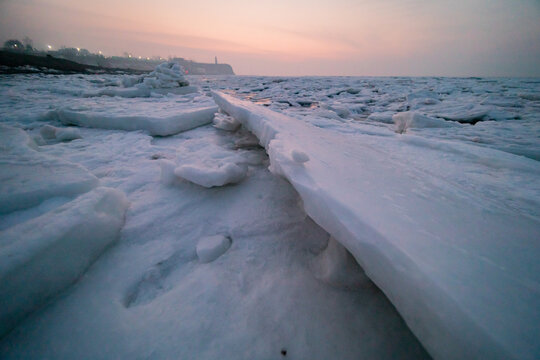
41 257
449 231
161 126
28 177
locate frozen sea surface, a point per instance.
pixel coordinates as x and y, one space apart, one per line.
257 268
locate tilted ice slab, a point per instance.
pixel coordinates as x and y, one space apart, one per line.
28 177
450 232
154 125
41 257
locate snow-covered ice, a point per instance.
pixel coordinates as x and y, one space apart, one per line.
43 256
28 177
329 206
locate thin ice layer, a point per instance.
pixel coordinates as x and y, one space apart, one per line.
448 231
41 257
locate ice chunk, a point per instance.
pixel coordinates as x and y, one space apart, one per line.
168 176
411 119
200 174
68 134
161 126
384 117
166 78
224 122
49 132
299 156
28 177
41 257
211 247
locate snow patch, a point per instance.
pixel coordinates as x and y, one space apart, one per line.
299 156
211 247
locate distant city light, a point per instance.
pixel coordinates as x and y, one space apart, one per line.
147 58
129 55
140 57
99 52
78 49
49 47
15 45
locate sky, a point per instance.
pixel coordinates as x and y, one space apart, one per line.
297 37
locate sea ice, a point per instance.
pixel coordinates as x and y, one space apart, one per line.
419 217
161 126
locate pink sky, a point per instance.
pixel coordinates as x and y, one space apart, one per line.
318 37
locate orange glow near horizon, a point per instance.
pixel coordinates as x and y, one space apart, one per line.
323 37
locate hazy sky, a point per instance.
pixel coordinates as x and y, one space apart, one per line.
288 37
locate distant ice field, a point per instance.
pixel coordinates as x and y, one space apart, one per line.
505 111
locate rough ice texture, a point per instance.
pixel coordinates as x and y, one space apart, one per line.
167 78
209 248
41 257
28 177
161 126
450 238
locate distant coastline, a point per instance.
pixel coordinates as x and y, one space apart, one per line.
69 61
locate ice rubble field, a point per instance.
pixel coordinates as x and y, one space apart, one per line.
156 229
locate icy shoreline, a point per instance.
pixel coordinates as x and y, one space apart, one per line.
229 250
